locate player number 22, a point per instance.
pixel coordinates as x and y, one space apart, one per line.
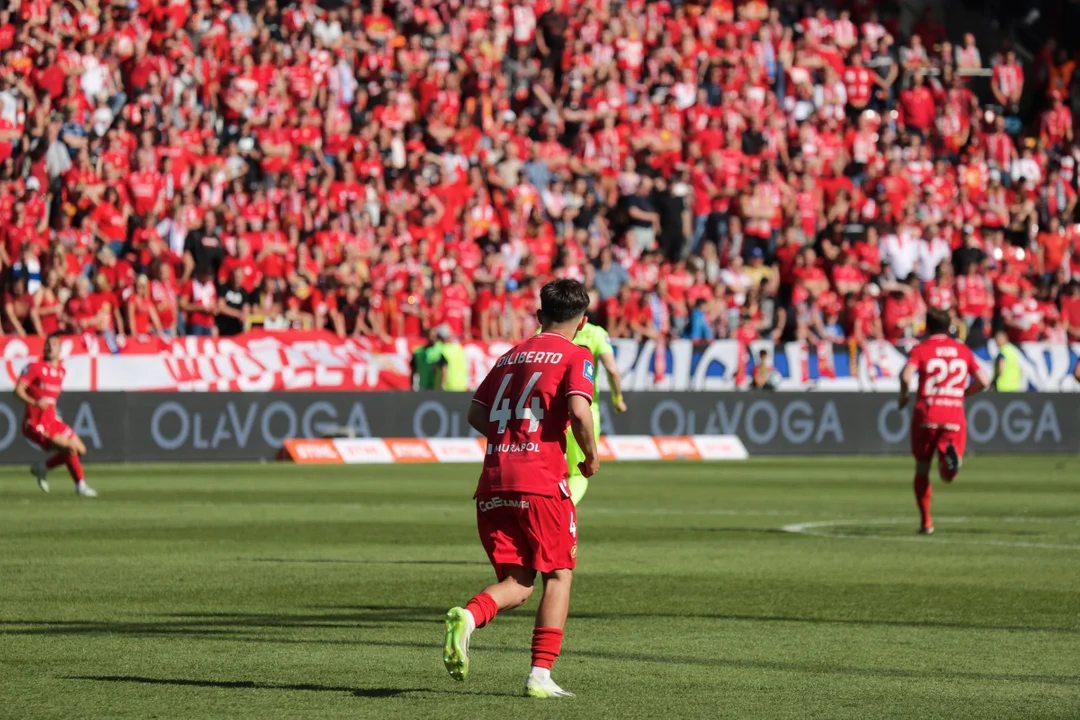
525 410
946 377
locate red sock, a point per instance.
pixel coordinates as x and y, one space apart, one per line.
74 467
546 644
56 460
923 492
483 608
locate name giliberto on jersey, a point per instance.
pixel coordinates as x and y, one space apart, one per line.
532 356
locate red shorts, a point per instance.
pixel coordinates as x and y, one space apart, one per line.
533 531
44 430
925 441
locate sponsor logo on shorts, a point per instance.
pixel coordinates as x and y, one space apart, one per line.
498 502
504 448
573 552
589 371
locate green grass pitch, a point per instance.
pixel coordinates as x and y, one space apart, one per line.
279 591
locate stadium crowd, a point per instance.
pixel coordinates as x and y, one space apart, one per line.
712 170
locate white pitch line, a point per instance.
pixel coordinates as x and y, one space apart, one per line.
814 529
722 513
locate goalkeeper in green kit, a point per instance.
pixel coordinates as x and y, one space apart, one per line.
596 339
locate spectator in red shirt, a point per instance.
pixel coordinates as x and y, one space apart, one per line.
1056 124
45 314
918 107
18 304
198 302
898 315
109 221
80 311
141 314
1024 317
1007 82
1070 311
106 306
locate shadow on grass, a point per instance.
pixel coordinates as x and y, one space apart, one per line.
734 664
252 627
357 617
425 614
249 629
336 561
252 685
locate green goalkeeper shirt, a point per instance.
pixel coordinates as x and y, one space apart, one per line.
596 340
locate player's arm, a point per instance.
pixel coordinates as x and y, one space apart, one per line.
581 424
478 417
979 379
24 396
979 382
905 386
607 359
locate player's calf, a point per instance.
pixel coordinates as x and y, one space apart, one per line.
514 589
949 465
923 494
70 447
548 634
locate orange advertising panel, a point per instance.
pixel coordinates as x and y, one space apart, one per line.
410 450
313 452
677 448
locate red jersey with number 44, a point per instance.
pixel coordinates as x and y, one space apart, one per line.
527 396
43 382
945 368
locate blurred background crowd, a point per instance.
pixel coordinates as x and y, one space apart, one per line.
714 169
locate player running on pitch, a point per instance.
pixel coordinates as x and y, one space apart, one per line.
938 424
39 387
523 509
596 340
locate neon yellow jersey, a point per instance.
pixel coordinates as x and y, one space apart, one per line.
595 339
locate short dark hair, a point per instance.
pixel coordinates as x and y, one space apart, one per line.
51 336
563 300
937 321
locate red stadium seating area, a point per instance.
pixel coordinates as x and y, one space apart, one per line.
713 170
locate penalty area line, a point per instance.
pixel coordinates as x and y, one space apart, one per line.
822 528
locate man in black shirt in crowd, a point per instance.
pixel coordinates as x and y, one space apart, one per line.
669 208
753 140
551 38
234 304
203 249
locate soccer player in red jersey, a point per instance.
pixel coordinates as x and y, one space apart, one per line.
948 373
523 508
39 387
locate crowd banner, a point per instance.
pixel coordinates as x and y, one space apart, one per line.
180 427
315 361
